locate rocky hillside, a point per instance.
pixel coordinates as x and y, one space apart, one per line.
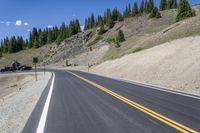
90 48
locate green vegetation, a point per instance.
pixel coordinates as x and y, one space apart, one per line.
168 4
135 11
101 30
155 13
119 38
1 53
94 41
137 49
39 37
184 10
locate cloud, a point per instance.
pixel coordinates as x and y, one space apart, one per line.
82 27
18 23
50 26
28 30
2 22
26 24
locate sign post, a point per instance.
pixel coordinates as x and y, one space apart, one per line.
44 68
35 61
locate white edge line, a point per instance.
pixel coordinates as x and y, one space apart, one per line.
41 125
155 87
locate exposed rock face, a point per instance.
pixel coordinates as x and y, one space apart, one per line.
69 48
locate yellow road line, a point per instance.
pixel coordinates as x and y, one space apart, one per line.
150 112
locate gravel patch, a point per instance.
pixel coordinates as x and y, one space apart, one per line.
15 109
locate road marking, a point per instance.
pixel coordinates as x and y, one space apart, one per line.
41 125
146 110
155 87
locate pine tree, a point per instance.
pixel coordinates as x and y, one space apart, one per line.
109 21
146 6
141 11
36 43
101 30
127 12
100 20
115 14
163 5
150 6
174 4
155 13
120 17
184 10
169 4
135 11
120 36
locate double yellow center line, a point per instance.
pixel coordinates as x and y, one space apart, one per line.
146 110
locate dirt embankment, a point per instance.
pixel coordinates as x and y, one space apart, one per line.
173 64
10 83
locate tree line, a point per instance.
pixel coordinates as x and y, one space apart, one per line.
39 37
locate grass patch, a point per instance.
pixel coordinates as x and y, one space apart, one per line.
137 49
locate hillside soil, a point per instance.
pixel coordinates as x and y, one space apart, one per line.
173 64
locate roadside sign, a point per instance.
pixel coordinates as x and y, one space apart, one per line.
35 60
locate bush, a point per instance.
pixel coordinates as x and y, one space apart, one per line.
137 49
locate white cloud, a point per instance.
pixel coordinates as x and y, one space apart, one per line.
26 24
50 26
2 22
82 27
18 23
28 30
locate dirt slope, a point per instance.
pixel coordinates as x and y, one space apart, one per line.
173 64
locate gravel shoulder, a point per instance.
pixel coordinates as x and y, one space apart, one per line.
16 105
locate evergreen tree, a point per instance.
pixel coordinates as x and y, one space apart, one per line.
120 36
109 21
36 43
100 20
174 4
141 11
146 6
135 11
115 14
169 4
120 17
101 30
42 39
163 5
184 10
155 13
150 6
127 12
49 36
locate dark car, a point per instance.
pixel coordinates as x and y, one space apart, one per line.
23 68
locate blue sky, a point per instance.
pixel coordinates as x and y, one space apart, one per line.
17 17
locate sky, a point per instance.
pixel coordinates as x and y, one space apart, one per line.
18 17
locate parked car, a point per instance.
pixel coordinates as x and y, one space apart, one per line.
25 68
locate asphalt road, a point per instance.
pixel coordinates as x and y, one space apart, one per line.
87 103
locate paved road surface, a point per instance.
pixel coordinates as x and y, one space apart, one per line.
87 103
